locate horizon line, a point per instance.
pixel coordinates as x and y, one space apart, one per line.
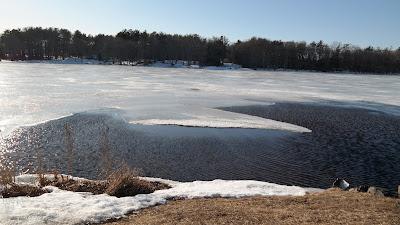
392 48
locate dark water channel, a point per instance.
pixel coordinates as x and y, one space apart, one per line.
359 145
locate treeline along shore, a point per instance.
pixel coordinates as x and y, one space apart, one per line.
36 43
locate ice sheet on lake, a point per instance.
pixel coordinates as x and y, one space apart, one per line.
58 206
33 93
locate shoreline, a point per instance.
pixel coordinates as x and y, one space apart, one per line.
251 199
329 207
179 66
55 205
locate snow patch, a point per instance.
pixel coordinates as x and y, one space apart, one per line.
65 207
33 179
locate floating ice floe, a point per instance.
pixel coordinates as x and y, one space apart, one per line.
223 119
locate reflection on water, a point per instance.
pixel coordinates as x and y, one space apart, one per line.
181 153
361 146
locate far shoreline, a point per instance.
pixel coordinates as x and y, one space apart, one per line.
160 64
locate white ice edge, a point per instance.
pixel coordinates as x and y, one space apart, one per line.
65 207
222 119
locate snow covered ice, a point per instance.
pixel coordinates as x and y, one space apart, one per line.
33 93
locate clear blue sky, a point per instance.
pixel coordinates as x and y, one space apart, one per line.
361 22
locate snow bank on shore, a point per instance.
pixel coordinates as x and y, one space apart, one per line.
65 207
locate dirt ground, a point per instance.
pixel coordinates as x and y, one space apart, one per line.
329 207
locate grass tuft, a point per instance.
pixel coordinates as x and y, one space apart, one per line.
7 175
69 145
125 182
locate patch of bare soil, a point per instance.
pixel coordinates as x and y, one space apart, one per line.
330 207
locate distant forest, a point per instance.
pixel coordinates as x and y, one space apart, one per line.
36 43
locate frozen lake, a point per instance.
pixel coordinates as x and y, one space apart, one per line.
134 102
34 93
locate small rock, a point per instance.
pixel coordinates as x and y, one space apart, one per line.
340 183
362 188
398 191
375 191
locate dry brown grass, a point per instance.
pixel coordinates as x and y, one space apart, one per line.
330 207
7 175
125 182
120 183
95 187
10 189
15 190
